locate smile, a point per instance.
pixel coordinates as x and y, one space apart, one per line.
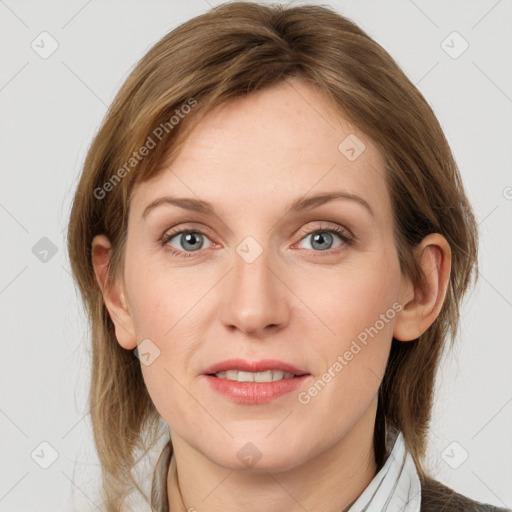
243 376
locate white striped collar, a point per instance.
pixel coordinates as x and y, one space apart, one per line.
395 488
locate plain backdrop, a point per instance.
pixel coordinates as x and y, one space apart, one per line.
50 108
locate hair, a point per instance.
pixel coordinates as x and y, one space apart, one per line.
231 51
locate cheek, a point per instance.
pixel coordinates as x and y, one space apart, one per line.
347 302
353 357
158 297
165 309
355 309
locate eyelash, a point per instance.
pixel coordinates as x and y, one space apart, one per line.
347 239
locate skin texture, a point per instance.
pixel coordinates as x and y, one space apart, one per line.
296 302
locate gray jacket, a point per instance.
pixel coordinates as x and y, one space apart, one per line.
436 497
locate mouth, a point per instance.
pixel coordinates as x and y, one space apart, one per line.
254 382
241 370
243 376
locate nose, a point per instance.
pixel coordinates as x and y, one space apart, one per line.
255 299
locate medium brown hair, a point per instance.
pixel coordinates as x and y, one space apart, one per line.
231 51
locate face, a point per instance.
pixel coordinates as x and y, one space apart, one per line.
311 291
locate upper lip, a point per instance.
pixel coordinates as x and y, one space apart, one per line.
254 366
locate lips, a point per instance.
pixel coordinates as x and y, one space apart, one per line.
247 382
254 367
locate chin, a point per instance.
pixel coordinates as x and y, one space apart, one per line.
258 456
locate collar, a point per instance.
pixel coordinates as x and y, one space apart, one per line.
395 488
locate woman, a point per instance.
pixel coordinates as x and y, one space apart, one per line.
289 376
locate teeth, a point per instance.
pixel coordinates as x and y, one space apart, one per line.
263 376
268 376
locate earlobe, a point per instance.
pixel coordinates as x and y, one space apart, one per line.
422 301
113 293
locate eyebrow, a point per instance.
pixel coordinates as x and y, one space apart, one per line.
300 204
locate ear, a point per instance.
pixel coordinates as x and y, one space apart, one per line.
113 293
423 301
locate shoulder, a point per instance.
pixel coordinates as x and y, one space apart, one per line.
436 497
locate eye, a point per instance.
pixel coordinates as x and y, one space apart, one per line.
322 239
186 241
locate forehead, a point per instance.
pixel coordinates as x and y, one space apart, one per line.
265 148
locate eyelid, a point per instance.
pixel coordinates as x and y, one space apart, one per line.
172 232
192 227
340 230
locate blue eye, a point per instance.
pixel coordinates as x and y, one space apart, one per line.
188 242
319 238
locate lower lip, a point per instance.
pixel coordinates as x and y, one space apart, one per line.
254 392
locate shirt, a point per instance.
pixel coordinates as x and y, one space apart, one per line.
395 488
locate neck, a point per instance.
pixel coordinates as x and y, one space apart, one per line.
331 481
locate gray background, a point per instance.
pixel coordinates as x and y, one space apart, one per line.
51 107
